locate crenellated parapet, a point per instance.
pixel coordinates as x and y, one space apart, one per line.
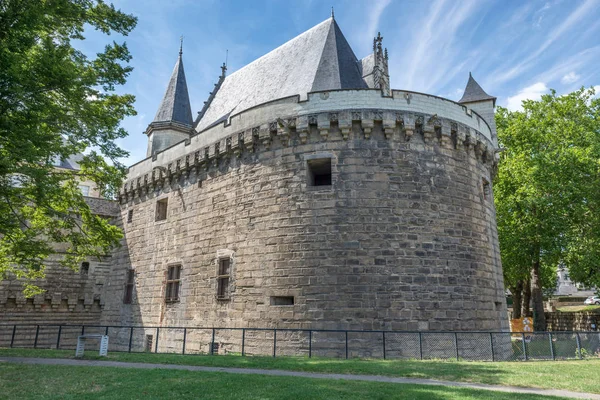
407 117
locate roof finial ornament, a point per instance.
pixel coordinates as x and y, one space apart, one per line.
180 45
332 14
224 66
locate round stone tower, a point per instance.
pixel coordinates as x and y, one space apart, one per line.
306 199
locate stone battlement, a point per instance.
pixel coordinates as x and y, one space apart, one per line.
288 122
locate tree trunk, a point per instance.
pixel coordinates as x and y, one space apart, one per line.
526 298
539 318
517 295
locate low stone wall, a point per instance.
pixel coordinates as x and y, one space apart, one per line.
572 321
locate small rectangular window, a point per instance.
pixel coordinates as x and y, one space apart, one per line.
85 268
319 172
129 216
161 209
223 278
282 300
85 190
129 287
173 280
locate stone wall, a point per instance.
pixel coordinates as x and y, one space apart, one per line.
572 321
404 238
70 297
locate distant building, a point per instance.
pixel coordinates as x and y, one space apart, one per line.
566 287
88 188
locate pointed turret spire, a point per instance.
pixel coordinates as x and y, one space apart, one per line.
474 92
173 120
175 105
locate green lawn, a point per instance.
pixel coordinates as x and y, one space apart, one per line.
67 382
573 375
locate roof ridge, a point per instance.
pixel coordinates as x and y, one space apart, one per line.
297 37
317 59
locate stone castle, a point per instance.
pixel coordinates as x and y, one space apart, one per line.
308 194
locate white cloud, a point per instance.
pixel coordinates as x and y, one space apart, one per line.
374 16
571 21
571 77
597 89
533 92
436 36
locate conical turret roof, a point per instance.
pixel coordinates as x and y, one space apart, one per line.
474 92
318 59
175 105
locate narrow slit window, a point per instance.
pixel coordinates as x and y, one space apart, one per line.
485 185
223 278
149 341
173 280
127 299
129 216
319 172
161 209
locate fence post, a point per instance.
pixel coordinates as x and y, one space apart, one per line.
309 344
274 341
156 342
243 340
212 343
12 339
184 337
492 345
37 332
456 344
58 337
420 346
551 346
578 345
346 345
524 346
130 339
384 345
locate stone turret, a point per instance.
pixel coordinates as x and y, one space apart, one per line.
482 103
173 120
375 67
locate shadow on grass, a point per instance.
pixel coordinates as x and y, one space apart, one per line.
68 382
569 375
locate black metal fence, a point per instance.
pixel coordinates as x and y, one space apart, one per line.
480 346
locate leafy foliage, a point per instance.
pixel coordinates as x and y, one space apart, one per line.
547 189
56 102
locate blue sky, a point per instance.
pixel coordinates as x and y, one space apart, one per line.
515 49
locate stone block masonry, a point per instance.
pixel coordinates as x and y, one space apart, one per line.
404 237
70 297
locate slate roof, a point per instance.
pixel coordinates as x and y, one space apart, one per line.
71 163
175 105
474 92
318 59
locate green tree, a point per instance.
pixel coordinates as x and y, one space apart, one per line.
547 192
56 102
